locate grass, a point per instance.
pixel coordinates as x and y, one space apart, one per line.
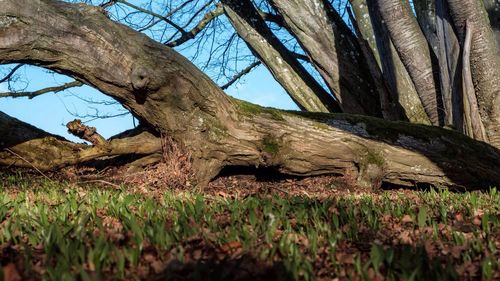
59 231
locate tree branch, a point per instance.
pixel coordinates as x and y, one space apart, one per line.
242 73
180 29
34 94
11 73
199 27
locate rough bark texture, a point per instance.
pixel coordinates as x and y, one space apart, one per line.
448 54
392 68
286 69
333 51
166 91
414 52
364 23
493 8
388 103
485 60
426 17
474 126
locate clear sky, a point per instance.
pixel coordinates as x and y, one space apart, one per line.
52 111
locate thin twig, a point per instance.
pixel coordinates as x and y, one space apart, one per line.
100 181
240 74
12 71
31 164
31 95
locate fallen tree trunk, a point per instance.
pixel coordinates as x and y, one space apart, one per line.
23 145
173 97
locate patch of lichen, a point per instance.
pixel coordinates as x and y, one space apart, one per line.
250 109
217 131
321 126
383 129
455 143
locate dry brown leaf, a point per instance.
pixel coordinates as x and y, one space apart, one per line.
231 246
158 266
407 219
10 273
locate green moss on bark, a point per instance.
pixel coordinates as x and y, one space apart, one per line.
270 145
250 109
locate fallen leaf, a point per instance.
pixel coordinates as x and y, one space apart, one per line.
158 266
10 273
407 219
231 246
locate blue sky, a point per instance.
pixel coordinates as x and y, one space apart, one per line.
52 111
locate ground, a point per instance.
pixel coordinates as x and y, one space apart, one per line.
73 226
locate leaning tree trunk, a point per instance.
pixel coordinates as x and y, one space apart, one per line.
333 51
493 8
485 61
307 93
414 52
393 70
426 16
170 94
448 53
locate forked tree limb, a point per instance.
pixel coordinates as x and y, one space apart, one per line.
171 96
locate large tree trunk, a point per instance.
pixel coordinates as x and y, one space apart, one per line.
334 52
167 92
493 8
393 70
448 53
426 17
485 61
286 69
414 52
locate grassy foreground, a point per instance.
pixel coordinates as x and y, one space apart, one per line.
60 231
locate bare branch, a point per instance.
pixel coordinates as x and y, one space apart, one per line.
108 4
180 29
240 74
198 28
12 71
31 95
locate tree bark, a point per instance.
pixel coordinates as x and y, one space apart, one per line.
167 92
392 68
333 51
485 59
388 103
414 52
474 128
448 54
285 68
493 8
426 17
